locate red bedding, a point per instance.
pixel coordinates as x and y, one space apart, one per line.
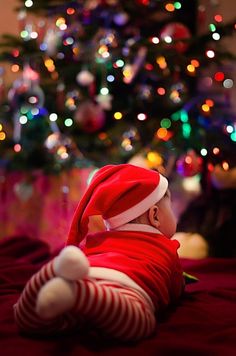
204 322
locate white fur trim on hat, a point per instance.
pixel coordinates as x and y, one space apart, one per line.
140 208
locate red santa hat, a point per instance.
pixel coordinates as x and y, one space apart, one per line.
119 193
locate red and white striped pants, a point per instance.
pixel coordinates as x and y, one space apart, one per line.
117 311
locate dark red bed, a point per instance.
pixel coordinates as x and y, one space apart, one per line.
204 322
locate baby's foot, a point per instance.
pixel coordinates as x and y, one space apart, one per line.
56 297
71 264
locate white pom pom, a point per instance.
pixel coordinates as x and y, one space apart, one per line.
71 263
56 297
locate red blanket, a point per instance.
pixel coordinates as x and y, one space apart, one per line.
204 322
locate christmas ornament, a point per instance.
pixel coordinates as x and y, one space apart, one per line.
85 78
190 164
178 33
89 116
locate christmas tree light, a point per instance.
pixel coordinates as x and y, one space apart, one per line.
110 79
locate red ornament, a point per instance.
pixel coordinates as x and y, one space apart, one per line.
190 164
179 33
89 116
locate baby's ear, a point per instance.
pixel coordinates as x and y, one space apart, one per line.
153 216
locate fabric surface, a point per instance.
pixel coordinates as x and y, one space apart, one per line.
203 323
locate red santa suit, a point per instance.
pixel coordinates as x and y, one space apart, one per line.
139 257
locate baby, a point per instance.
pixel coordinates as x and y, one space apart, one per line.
117 280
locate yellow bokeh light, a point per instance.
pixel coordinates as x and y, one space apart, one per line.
2 136
205 108
15 68
118 115
190 68
154 159
225 166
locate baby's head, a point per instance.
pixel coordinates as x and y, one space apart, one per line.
123 194
160 215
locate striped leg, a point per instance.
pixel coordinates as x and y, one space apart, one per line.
72 264
119 312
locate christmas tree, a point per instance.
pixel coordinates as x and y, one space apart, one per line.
105 81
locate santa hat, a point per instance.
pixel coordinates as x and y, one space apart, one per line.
119 193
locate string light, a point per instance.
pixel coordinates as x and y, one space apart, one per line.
53 117
229 128
216 36
118 115
23 119
15 53
110 78
161 133
15 68
218 18
170 7
119 63
161 91
104 91
177 5
195 63
233 136
149 66
70 11
68 122
225 166
166 123
210 53
17 147
61 23
203 152
209 102
216 150
186 129
183 115
228 83
191 69
2 135
219 76
154 159
212 27
155 40
161 61
29 3
205 108
141 117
